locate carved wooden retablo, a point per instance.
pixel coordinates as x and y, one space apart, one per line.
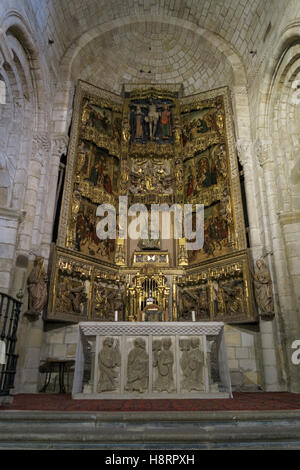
151 146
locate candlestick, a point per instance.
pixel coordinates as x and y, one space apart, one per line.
193 315
116 315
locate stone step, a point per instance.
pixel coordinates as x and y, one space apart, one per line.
149 430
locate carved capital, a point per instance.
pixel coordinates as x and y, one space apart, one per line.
263 150
41 146
59 145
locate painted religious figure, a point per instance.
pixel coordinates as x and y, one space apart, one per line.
151 120
139 133
207 119
216 234
165 123
87 241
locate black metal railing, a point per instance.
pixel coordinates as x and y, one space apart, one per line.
9 319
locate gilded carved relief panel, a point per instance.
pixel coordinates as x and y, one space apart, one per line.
81 291
218 291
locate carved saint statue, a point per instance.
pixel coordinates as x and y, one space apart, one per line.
164 360
37 288
152 119
138 367
263 289
109 359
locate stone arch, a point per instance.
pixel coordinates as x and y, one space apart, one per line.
27 117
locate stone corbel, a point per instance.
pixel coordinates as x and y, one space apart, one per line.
59 145
244 149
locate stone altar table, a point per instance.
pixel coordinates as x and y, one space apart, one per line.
151 360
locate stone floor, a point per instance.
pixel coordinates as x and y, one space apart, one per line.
259 401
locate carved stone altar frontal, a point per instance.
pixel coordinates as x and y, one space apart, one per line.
151 360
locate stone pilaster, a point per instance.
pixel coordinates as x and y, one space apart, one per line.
59 144
285 328
40 152
245 154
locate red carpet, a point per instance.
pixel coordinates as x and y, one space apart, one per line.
241 401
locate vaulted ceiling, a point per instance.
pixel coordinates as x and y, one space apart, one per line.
194 42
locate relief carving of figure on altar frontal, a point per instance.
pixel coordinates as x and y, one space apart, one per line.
192 364
151 119
138 367
163 360
109 361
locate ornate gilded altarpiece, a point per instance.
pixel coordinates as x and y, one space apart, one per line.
154 146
